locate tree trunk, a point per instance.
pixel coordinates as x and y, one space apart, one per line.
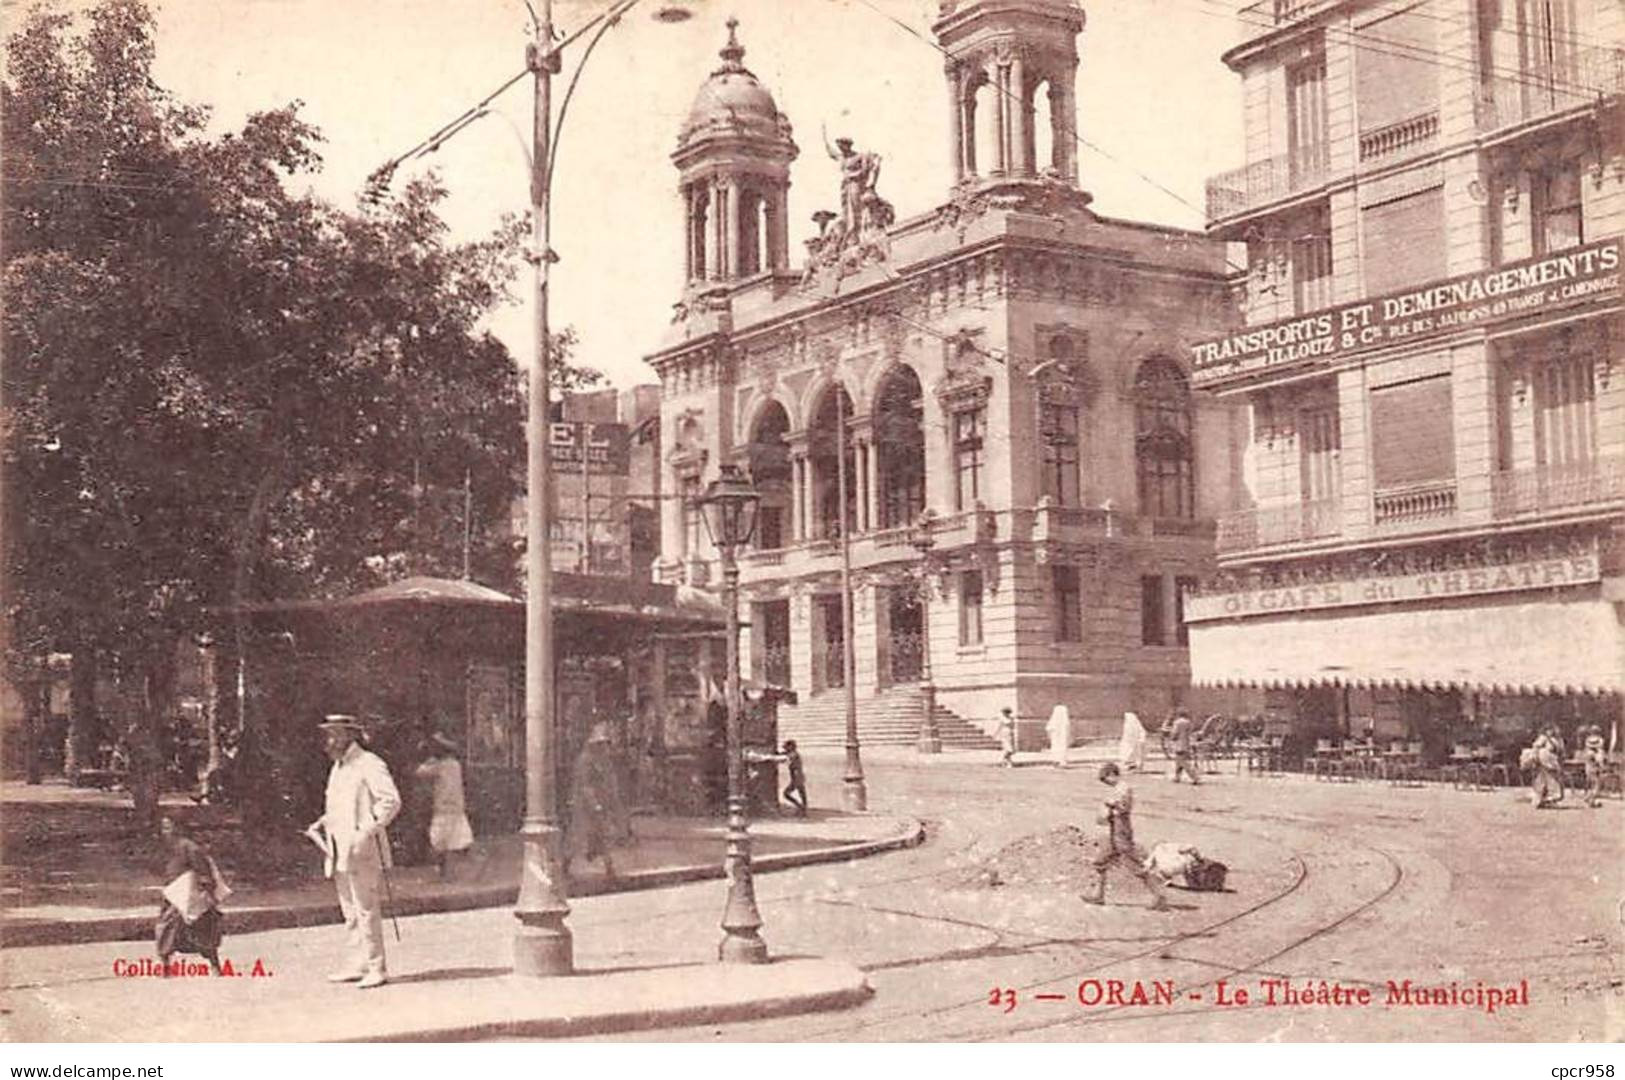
78 754
35 717
211 705
140 678
255 799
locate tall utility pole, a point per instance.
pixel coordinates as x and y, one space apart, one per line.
542 944
854 792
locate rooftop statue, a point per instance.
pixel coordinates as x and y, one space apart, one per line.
857 235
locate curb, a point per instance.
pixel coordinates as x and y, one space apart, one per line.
21 933
855 992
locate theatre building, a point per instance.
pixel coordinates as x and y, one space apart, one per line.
1428 543
1010 360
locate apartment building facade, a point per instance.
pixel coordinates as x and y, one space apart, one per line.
1431 535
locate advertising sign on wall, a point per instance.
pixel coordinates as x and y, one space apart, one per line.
1504 292
607 446
1432 585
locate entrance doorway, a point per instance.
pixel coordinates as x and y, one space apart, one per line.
906 637
770 642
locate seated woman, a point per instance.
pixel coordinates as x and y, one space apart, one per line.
191 923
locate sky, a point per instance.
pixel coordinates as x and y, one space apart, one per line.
1157 108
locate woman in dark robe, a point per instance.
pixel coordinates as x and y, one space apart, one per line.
174 933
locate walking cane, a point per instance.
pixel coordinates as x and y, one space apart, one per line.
389 895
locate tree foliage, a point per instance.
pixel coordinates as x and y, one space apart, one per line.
217 389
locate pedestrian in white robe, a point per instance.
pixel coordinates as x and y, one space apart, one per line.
1131 750
1059 729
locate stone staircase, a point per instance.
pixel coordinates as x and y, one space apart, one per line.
889 718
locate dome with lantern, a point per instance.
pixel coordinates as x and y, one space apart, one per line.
732 103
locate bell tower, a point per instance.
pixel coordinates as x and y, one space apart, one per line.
733 156
1001 55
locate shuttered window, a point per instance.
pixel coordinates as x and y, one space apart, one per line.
1566 411
1396 68
1402 242
1306 113
1412 433
1321 442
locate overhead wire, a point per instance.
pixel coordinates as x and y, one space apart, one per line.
1466 64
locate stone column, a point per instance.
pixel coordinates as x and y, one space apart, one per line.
1001 117
956 121
688 234
1017 102
798 497
967 128
777 231
1064 122
871 483
731 226
718 231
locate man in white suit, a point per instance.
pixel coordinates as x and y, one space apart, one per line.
361 802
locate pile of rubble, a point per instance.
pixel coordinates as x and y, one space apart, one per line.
1058 858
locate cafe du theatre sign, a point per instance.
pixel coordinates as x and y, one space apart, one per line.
1579 569
1505 292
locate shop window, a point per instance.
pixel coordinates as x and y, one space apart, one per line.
1068 606
969 429
970 607
1151 611
1558 223
1182 585
1058 435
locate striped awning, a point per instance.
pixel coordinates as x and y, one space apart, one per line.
1550 646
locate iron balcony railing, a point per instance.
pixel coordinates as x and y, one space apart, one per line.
1585 76
1558 487
1268 526
1262 14
1240 190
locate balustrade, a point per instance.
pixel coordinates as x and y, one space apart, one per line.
1415 504
1413 135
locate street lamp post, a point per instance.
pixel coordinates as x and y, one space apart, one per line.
929 741
729 504
542 944
854 790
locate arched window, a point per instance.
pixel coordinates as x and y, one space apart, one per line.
770 472
1062 389
900 445
830 456
1162 440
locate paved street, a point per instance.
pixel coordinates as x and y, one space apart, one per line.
1353 884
